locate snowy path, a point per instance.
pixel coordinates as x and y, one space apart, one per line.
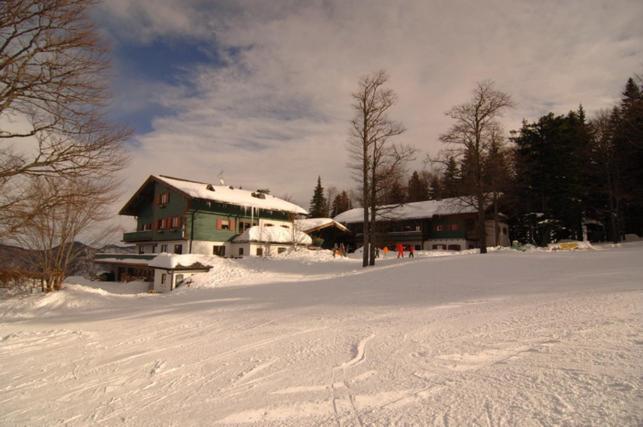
503 339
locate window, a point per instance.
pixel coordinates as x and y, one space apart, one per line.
141 250
240 251
244 225
454 247
287 227
225 224
163 223
147 226
268 225
454 227
418 247
178 280
178 249
164 198
163 248
281 250
439 227
259 251
218 250
504 230
163 278
176 221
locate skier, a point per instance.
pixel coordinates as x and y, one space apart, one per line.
411 251
400 250
385 250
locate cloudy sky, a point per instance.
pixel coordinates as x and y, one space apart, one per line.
259 91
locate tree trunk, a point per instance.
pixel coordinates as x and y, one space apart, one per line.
482 232
373 235
496 229
365 196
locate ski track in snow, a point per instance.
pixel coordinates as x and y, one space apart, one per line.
503 339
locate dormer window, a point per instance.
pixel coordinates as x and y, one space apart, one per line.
164 198
209 187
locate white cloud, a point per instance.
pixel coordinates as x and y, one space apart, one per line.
277 114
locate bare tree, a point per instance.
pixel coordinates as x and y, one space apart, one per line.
51 234
469 139
371 153
53 90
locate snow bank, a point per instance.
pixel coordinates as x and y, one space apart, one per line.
78 294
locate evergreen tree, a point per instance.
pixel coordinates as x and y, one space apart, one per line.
435 188
551 161
318 204
451 179
395 194
418 189
628 141
341 203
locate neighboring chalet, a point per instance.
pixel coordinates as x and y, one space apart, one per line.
447 224
179 216
326 232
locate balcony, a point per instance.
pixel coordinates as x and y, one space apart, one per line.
138 236
152 235
124 257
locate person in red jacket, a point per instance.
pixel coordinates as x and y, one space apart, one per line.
400 250
411 251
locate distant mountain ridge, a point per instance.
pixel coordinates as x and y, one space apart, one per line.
14 257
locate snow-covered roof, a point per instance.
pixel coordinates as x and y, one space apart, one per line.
233 196
274 234
179 261
115 260
313 224
414 210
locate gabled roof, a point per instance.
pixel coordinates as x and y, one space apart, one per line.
311 225
413 210
218 193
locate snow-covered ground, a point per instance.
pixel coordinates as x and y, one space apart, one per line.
509 338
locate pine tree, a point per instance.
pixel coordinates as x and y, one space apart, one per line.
341 203
318 204
451 179
395 194
435 188
629 146
418 189
552 158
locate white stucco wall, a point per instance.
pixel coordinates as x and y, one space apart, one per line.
204 247
148 247
428 244
171 278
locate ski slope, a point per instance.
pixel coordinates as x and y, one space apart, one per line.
508 338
